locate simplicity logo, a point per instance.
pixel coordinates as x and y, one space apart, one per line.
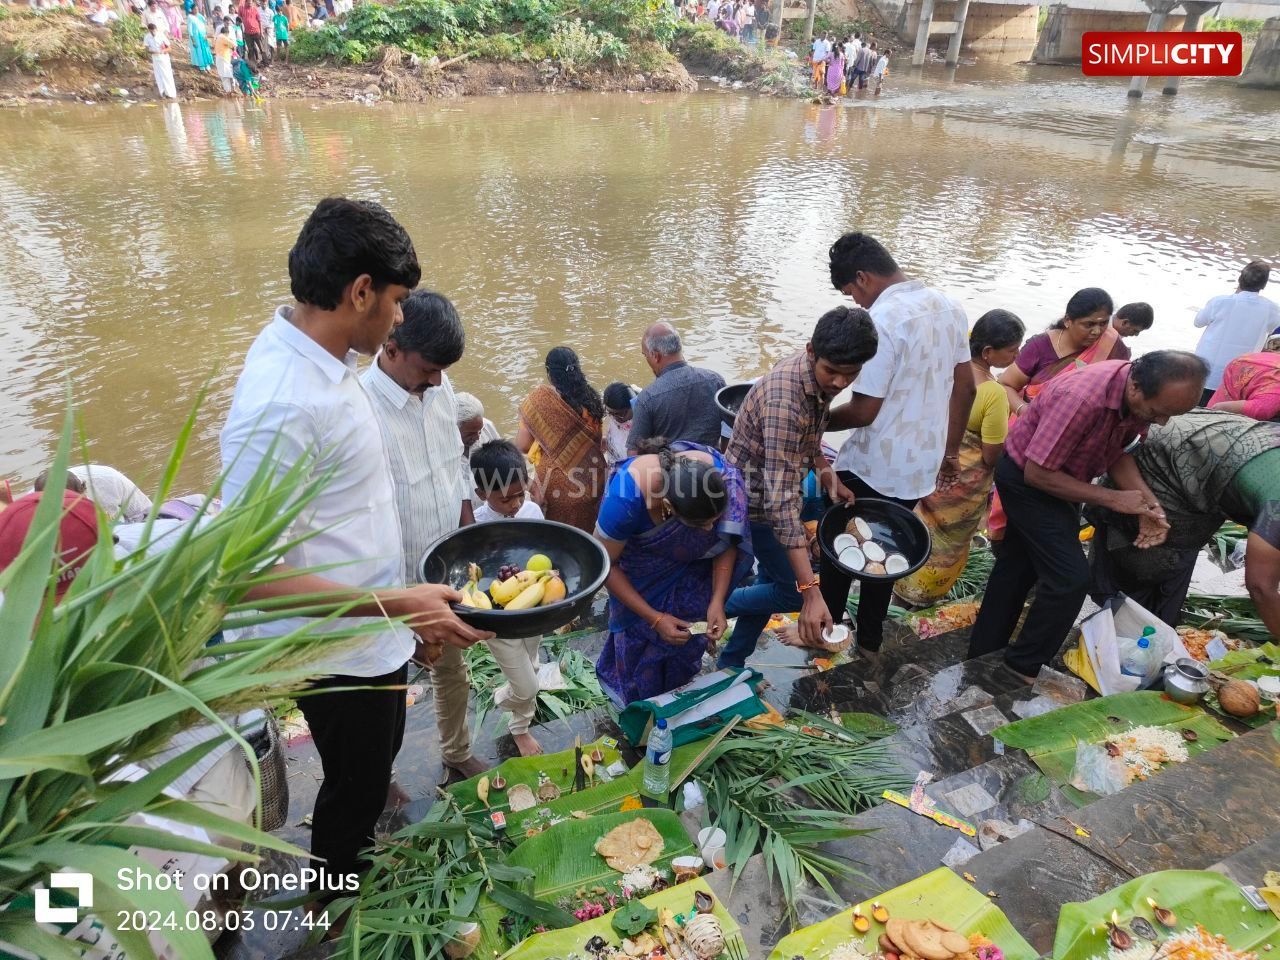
1217 53
81 883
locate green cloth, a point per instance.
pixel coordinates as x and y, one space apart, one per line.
1253 499
683 709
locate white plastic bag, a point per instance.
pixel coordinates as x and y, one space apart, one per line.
1096 771
1127 618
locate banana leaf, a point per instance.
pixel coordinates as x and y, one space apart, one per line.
678 899
558 766
940 896
1050 740
1248 664
1195 896
563 857
602 798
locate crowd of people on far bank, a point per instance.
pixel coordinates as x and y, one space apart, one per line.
840 67
704 527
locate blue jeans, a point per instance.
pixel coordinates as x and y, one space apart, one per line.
773 592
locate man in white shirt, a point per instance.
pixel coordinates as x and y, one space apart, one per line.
418 414
910 403
1238 323
299 401
157 45
473 425
117 495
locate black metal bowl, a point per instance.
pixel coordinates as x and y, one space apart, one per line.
893 526
579 557
729 401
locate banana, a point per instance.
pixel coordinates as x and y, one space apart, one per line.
504 591
529 576
529 597
555 591
482 791
479 599
472 595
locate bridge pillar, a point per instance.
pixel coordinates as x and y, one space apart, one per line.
953 48
1159 14
1195 10
922 33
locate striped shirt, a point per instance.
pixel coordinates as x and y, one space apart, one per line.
777 436
425 452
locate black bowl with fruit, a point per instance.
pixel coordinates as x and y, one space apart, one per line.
506 547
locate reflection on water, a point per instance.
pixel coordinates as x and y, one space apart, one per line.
145 246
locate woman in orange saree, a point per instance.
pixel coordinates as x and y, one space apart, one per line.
560 431
1082 337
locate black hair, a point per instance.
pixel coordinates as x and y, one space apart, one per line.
565 374
342 240
1139 314
1255 276
74 483
859 251
431 328
1082 303
497 465
694 488
996 329
618 395
1154 370
845 336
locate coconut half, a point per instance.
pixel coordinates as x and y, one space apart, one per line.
843 542
875 553
874 568
853 559
895 563
861 529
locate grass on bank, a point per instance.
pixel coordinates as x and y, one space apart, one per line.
29 38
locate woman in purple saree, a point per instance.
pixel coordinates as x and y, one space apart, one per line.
674 523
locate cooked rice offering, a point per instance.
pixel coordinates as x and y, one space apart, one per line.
1144 750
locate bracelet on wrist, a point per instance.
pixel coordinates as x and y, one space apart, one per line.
802 587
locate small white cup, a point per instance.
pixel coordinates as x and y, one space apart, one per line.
714 858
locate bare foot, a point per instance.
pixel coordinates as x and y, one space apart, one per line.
527 745
396 796
789 636
468 768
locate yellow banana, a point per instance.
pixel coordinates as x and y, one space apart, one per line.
529 597
504 591
472 595
480 599
528 576
555 591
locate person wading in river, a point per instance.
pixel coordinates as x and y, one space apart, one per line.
299 402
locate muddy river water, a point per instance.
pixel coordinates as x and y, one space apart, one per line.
142 247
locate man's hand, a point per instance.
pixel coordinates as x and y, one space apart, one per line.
1152 531
672 630
430 617
948 472
1135 503
717 624
837 491
815 618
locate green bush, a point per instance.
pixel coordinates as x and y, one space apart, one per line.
328 43
499 46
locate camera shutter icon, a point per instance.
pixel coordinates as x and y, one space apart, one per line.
81 883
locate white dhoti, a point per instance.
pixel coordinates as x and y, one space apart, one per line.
162 67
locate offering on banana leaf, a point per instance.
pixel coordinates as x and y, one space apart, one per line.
632 844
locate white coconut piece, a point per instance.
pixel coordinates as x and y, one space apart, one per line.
862 529
843 542
874 552
895 563
874 569
853 559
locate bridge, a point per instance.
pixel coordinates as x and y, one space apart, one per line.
1008 29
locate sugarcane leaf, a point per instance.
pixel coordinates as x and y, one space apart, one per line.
546 914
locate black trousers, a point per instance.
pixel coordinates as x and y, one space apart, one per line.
357 734
873 597
1041 549
255 45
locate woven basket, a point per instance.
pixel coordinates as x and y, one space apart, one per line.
269 748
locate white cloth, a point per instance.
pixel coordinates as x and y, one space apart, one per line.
881 66
117 495
616 436
310 405
851 50
530 511
425 453
1238 323
162 25
162 70
923 335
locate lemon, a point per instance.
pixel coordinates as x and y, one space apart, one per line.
538 563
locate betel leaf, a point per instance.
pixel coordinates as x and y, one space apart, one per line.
632 918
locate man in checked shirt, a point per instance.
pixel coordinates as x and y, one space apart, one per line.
776 440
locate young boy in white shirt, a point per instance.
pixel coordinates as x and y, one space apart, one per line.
501 476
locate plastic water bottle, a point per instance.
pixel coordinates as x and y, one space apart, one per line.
1138 658
657 763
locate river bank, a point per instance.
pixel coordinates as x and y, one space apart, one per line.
60 57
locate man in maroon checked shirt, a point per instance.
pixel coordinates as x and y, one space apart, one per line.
254 42
1077 429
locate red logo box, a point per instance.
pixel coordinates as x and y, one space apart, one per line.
1163 54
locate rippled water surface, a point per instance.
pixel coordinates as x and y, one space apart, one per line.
143 247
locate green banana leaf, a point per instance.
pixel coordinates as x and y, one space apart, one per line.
563 857
1050 740
1196 896
940 896
678 899
558 766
